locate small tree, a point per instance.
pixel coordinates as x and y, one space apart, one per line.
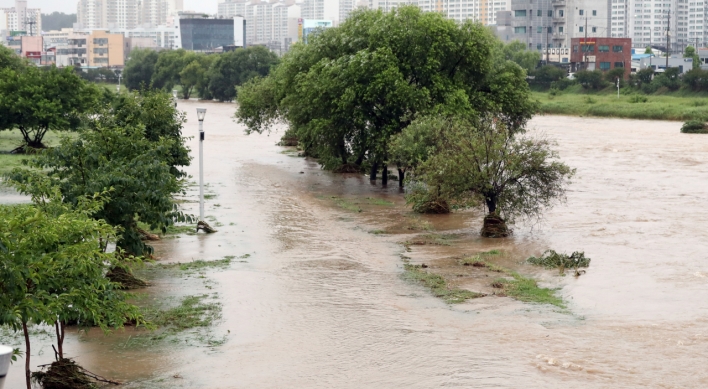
612 75
140 68
10 60
52 266
690 52
36 100
545 75
648 50
235 68
481 162
591 79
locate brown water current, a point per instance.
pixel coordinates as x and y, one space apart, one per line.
320 303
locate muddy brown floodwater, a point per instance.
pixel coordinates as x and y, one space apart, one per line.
320 302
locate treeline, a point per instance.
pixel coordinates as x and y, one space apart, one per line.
444 103
121 166
208 76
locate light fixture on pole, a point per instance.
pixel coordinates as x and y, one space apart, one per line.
201 224
174 97
119 77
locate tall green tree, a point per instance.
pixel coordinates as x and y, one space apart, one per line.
139 69
517 52
352 87
168 67
195 77
481 161
10 60
37 100
234 68
52 266
690 52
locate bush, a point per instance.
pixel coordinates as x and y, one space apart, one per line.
591 79
694 127
638 99
669 79
562 84
590 100
545 75
612 76
696 80
561 261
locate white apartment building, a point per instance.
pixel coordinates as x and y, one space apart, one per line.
93 14
158 12
162 36
21 18
650 19
322 9
274 23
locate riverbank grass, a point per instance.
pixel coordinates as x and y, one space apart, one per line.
527 290
576 102
437 285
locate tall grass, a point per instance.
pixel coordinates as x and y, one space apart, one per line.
657 107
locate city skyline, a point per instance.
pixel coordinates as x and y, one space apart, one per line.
69 6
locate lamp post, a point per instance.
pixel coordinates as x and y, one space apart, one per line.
174 96
201 112
119 77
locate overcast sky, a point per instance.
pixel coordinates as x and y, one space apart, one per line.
69 6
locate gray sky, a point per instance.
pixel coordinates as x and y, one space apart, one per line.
69 6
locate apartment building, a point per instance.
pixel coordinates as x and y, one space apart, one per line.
106 49
21 18
101 14
160 36
552 23
274 24
649 22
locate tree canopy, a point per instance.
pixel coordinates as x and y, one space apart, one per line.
347 91
37 100
236 67
139 69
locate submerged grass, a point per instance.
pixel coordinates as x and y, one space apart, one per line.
437 285
431 239
192 312
527 290
561 261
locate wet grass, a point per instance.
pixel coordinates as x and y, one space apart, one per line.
561 261
431 239
375 201
345 204
437 285
418 224
527 290
377 232
577 102
192 312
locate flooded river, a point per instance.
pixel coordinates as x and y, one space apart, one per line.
319 302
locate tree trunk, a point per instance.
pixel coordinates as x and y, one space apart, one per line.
491 202
27 355
384 175
374 170
401 177
59 326
494 227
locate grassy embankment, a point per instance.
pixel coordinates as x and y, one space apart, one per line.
575 101
9 140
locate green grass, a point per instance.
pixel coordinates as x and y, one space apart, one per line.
437 285
375 201
346 204
527 290
431 239
9 140
576 102
192 312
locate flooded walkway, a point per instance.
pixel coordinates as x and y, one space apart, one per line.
320 303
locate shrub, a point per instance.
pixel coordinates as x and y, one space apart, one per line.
562 84
545 75
638 99
694 127
590 100
669 79
612 76
591 79
561 261
696 80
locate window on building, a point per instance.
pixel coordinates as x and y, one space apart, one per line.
604 66
560 13
617 49
520 30
550 13
539 29
580 29
550 30
538 46
582 12
539 13
560 29
575 48
594 29
521 13
588 48
603 49
619 64
594 13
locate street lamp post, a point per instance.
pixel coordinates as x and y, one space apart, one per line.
174 96
119 77
201 112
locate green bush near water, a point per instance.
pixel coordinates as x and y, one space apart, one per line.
694 127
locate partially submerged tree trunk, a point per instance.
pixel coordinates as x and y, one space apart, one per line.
27 355
59 327
374 171
31 140
494 227
401 177
126 279
384 175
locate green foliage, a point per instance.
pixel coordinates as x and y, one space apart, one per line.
561 261
155 112
38 100
668 79
611 76
527 290
353 87
547 74
235 68
194 76
10 60
123 159
638 99
139 69
591 79
52 266
690 52
98 75
694 127
192 312
696 80
518 53
168 67
437 285
482 161
648 50
644 77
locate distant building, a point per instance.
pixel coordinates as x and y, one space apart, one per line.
162 36
310 27
204 34
601 53
21 19
107 50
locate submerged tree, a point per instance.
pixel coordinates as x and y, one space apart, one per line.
52 266
352 87
480 161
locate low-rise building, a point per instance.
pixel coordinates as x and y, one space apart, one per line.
107 50
601 53
204 34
